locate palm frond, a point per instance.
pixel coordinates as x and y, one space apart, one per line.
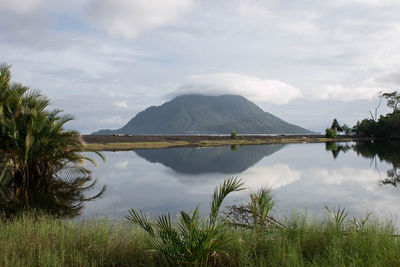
228 186
139 218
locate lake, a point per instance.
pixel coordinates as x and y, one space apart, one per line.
362 177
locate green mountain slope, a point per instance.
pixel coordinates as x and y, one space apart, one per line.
194 114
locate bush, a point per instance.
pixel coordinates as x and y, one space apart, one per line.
330 133
234 135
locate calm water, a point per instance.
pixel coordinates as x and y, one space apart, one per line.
304 177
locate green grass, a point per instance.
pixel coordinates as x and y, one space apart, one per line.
46 241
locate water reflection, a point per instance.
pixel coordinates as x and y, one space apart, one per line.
302 176
336 148
63 196
194 161
387 151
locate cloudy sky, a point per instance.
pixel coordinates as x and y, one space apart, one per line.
305 61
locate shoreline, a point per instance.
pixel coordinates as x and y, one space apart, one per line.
132 142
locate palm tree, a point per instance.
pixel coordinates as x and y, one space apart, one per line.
193 241
35 149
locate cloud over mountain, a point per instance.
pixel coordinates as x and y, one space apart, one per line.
251 87
300 59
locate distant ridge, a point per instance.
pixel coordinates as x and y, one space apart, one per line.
199 114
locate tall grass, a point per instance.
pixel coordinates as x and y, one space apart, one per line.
45 241
30 240
253 238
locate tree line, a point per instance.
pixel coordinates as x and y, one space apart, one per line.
386 126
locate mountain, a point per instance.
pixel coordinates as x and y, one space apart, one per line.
223 159
199 114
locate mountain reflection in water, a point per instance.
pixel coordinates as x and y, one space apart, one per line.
223 159
388 151
302 176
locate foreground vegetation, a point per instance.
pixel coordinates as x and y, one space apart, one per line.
245 235
46 241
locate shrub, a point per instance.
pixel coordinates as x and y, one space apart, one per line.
233 135
330 133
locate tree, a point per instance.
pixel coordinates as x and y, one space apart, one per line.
346 129
393 100
336 126
35 149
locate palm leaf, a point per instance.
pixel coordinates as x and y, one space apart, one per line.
228 186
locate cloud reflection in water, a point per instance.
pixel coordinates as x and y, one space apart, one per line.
301 176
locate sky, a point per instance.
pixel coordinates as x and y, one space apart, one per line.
103 61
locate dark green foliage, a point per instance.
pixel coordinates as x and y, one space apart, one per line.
336 148
388 151
193 114
387 126
346 129
40 162
336 126
330 133
366 127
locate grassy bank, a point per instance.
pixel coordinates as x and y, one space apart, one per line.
46 241
208 143
135 145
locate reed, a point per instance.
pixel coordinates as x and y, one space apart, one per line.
30 240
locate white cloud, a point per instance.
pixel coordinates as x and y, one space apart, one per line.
21 6
253 88
362 178
274 176
339 92
253 8
364 2
130 18
121 104
121 164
